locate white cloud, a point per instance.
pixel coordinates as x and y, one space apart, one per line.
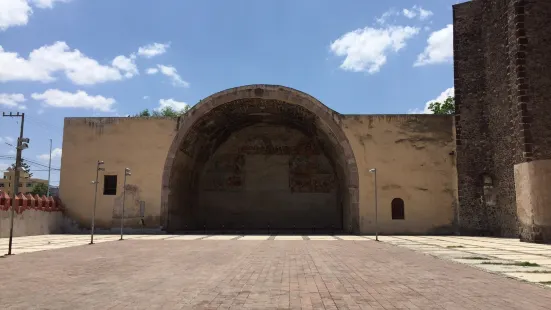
424 14
12 100
9 139
17 12
152 71
172 73
417 11
60 99
409 13
367 49
43 63
171 103
450 92
145 97
126 65
439 48
385 16
152 50
46 4
56 154
14 13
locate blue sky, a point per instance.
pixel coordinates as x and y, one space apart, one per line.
62 58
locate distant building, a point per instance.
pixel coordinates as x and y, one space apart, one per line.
26 183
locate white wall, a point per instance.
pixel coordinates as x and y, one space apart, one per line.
31 222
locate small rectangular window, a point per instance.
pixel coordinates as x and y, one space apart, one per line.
29 184
109 184
1 184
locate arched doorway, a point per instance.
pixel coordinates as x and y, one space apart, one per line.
260 158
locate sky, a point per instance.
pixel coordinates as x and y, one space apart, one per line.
109 58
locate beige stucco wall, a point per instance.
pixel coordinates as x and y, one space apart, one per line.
532 183
140 144
412 156
31 222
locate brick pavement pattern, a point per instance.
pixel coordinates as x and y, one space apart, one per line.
306 274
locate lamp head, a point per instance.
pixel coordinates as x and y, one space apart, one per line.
100 162
373 170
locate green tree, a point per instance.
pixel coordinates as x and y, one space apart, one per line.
164 112
443 108
24 166
144 113
40 189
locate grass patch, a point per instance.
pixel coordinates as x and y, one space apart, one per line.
546 282
537 271
454 246
476 257
521 264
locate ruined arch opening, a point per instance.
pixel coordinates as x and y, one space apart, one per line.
258 162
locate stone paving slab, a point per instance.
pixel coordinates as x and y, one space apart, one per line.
531 277
222 237
254 237
496 255
187 237
267 274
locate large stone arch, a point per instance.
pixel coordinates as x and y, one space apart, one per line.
211 122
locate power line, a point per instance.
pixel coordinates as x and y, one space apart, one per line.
44 124
28 161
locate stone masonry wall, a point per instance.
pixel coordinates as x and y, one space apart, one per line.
473 158
485 118
500 112
502 82
536 62
534 102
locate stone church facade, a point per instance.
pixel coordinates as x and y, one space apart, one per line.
502 66
268 158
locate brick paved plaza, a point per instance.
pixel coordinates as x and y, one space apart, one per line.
258 272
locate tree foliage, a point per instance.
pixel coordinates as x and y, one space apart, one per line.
24 166
443 108
164 112
40 189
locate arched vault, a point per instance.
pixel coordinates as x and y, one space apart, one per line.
260 157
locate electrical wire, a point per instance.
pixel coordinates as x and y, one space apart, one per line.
28 161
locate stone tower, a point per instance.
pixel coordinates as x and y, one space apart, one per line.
502 60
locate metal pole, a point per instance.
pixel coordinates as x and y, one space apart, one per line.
123 199
16 175
49 169
376 209
95 201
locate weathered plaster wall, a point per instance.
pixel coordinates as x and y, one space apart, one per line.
413 155
269 176
140 144
31 222
533 180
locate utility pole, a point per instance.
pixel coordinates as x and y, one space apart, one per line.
126 174
374 171
22 143
49 169
95 182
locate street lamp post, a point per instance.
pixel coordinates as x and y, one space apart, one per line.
126 173
95 182
374 171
